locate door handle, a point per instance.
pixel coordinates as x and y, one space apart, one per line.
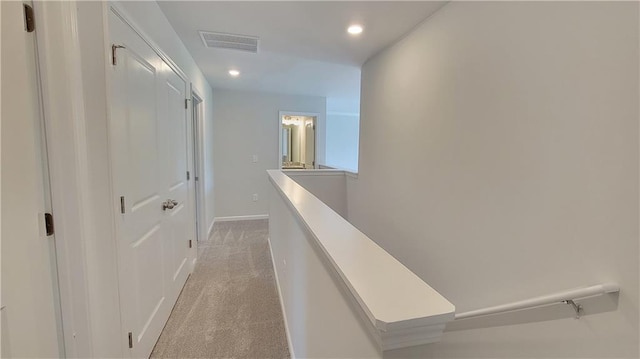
169 204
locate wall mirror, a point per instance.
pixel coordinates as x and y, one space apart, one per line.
297 140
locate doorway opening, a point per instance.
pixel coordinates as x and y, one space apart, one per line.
297 148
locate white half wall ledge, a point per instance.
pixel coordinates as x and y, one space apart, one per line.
321 167
322 171
315 172
401 308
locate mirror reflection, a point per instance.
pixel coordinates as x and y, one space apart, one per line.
297 143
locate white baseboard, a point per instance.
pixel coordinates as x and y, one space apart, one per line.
284 314
241 218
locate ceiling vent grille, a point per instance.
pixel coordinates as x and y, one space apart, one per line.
220 40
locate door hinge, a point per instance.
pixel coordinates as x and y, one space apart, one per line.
190 245
188 175
48 224
130 340
186 103
195 178
114 48
122 209
29 18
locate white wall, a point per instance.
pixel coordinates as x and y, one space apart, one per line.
329 186
150 18
246 124
343 130
499 161
321 318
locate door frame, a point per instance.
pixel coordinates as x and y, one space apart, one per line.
197 121
315 134
59 51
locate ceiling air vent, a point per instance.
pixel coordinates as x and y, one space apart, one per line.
220 40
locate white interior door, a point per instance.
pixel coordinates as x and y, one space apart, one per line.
30 314
148 139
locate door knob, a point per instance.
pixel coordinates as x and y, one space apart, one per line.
169 204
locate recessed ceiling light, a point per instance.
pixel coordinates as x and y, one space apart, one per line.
354 29
234 73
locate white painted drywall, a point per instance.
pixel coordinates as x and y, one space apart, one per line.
499 161
330 186
246 124
344 104
150 18
30 315
321 318
343 131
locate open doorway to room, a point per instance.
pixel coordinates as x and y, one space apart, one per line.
297 148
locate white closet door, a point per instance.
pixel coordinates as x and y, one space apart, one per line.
148 139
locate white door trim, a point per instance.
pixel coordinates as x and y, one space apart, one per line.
198 135
63 106
125 17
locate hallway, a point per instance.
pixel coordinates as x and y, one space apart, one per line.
229 307
320 179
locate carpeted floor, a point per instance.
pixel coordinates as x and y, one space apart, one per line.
229 307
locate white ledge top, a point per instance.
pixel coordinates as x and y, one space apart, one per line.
320 172
392 296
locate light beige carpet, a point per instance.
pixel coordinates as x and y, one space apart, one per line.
229 307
